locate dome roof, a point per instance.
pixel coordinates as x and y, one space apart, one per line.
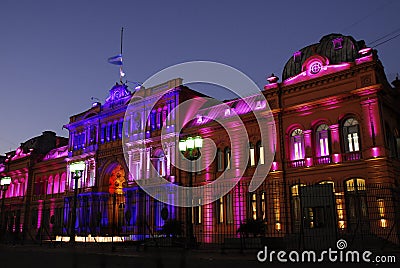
337 48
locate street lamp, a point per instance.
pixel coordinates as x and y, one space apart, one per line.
190 148
76 173
4 183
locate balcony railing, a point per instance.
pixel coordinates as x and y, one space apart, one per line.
353 156
323 160
297 163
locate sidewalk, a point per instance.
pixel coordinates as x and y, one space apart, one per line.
102 256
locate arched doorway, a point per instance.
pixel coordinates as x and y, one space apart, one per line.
116 178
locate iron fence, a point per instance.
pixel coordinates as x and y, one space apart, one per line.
277 214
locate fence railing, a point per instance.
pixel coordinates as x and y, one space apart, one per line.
292 214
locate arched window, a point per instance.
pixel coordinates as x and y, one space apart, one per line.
227 158
260 153
322 140
297 144
351 135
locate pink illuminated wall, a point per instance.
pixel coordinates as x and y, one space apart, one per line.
305 75
335 133
371 117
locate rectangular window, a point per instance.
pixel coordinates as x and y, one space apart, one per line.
298 151
381 210
114 130
148 162
323 145
108 133
221 210
263 207
220 165
229 208
253 207
355 139
252 157
350 142
228 160
136 172
261 152
126 127
277 212
196 214
339 209
120 124
102 134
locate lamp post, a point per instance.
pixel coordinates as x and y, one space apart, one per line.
76 173
4 183
190 148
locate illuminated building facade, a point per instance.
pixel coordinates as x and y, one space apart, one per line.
36 179
335 172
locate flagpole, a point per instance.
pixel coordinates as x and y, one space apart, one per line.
120 67
122 34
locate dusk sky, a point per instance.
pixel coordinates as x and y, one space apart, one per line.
54 53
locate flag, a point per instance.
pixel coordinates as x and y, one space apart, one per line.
117 60
121 73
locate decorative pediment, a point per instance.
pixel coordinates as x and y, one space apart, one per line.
118 93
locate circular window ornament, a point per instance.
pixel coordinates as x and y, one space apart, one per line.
315 67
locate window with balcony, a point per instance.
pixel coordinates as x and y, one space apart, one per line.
297 144
323 141
351 135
